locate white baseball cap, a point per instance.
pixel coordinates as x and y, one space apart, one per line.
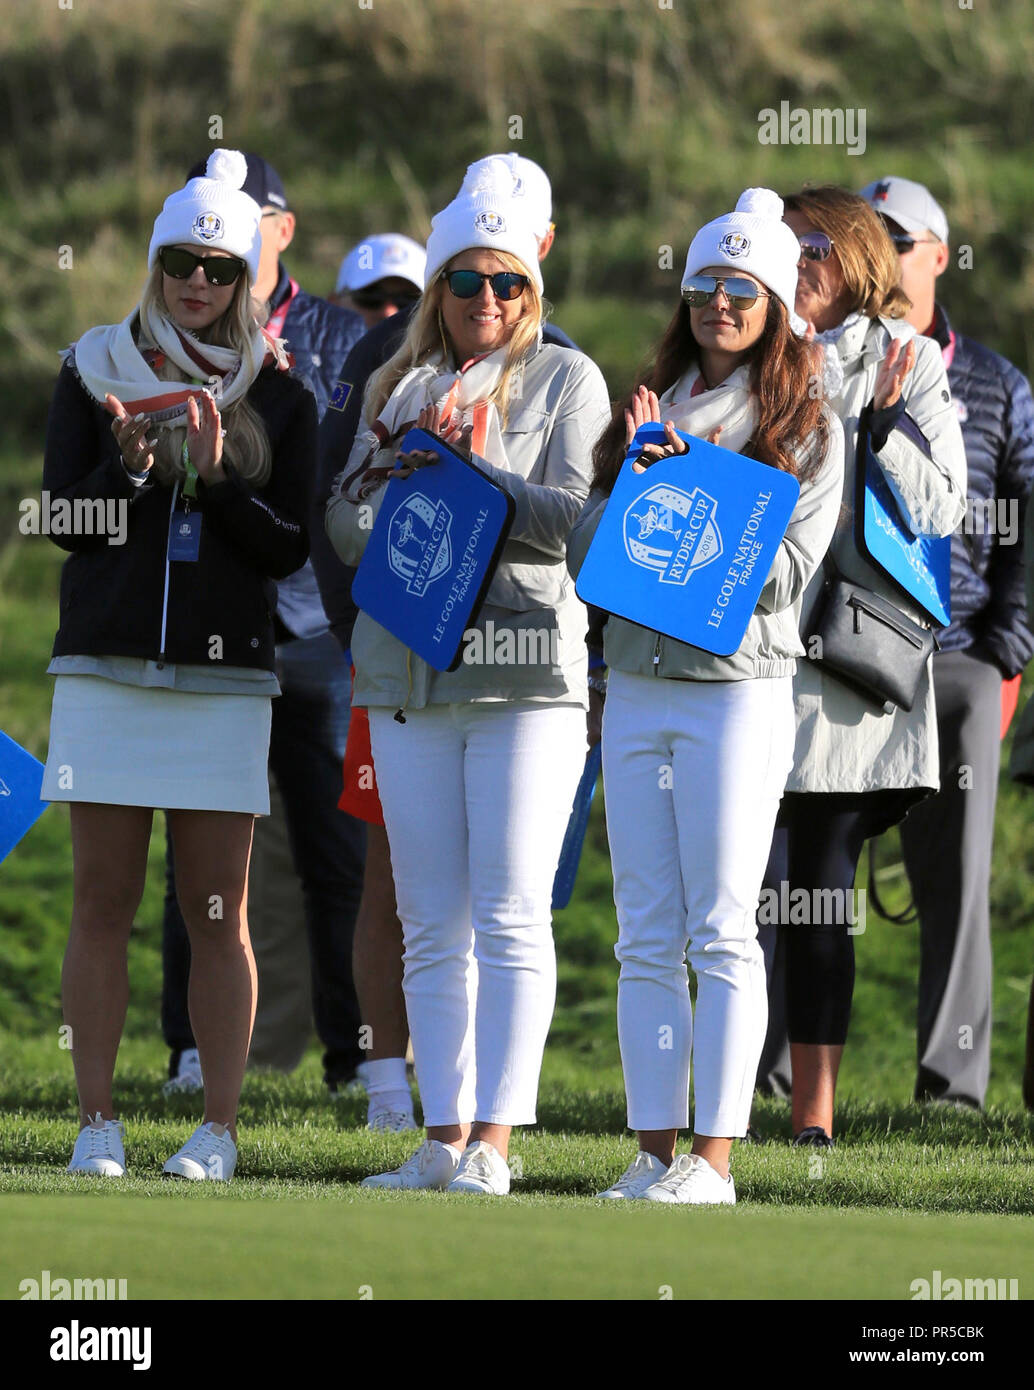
531 187
388 255
910 205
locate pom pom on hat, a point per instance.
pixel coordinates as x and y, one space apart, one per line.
530 184
753 238
227 166
760 202
213 211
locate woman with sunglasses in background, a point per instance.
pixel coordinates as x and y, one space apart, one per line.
477 770
164 654
696 747
856 769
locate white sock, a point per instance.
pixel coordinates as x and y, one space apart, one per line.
386 1074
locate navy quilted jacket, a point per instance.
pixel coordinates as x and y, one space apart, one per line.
320 335
996 411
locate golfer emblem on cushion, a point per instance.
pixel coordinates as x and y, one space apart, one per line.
419 550
672 532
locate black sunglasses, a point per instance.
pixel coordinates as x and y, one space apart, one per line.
180 264
816 246
699 290
465 284
363 299
903 243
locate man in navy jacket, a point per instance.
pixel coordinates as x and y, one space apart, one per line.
947 839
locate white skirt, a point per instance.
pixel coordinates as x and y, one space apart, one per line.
129 745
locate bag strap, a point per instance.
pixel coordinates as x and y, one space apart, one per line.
908 914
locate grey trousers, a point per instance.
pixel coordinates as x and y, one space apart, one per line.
947 842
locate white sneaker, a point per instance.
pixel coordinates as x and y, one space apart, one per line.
433 1165
390 1119
98 1149
691 1181
482 1169
641 1173
208 1155
188 1074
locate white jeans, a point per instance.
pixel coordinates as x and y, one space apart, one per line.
693 773
476 800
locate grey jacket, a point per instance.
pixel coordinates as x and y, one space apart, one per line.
771 643
844 743
533 623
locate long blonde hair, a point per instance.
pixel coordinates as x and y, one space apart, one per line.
246 445
426 336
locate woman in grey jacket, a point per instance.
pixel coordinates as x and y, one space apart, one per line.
696 747
478 769
856 769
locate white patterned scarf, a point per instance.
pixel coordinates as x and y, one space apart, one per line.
108 360
730 404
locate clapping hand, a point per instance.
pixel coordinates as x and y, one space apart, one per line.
205 438
131 436
893 370
429 419
646 410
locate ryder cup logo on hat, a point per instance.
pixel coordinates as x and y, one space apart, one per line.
491 222
734 244
207 226
419 550
672 532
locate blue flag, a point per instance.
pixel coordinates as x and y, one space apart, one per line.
918 565
21 777
685 548
432 552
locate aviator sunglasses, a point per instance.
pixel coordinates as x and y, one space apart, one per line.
180 264
699 290
816 246
465 284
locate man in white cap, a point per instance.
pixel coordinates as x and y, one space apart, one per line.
947 839
381 276
378 951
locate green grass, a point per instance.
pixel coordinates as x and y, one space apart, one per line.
908 1190
367 1244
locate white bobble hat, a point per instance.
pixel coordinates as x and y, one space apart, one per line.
213 211
530 183
484 214
753 238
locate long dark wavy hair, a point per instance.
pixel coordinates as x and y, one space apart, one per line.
784 370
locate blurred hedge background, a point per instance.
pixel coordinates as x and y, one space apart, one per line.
646 119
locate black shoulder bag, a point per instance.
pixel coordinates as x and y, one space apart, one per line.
863 639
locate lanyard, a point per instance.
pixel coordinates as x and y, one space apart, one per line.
275 324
